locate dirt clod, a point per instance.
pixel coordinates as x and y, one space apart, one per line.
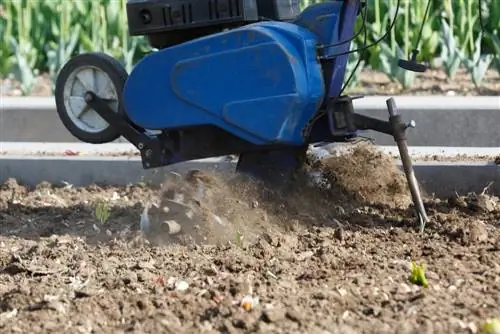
368 175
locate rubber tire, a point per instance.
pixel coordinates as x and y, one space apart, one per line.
118 76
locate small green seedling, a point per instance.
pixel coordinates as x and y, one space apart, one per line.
102 212
417 276
491 326
239 239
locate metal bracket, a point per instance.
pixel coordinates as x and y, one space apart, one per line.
399 133
340 113
153 152
343 121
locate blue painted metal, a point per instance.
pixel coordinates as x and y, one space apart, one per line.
261 82
333 22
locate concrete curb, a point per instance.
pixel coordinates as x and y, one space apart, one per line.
441 178
127 149
441 120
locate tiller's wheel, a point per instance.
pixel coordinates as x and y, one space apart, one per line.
97 73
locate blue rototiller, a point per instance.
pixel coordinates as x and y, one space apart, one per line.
257 78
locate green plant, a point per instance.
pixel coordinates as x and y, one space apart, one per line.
417 275
491 326
478 64
102 212
239 239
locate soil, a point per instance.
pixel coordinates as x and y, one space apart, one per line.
432 82
224 254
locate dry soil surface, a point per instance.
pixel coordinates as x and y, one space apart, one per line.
221 254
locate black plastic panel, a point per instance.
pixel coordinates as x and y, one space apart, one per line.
151 16
279 10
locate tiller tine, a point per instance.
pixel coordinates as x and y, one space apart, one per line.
399 133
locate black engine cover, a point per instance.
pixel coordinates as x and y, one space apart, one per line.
151 16
189 19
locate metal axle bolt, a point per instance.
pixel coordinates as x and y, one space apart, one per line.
89 97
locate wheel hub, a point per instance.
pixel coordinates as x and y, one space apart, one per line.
83 80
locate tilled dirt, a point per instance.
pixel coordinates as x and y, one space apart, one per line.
305 259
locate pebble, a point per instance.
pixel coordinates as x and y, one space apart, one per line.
293 315
181 285
339 234
173 227
478 232
404 288
273 315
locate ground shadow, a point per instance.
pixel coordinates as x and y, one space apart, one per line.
33 223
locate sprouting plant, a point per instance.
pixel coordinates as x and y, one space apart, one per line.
102 212
239 239
491 326
417 276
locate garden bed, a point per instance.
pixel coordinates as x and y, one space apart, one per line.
332 260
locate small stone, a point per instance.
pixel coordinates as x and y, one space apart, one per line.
273 315
472 327
339 234
340 211
173 227
372 311
478 232
239 323
181 285
431 275
56 306
293 316
404 288
255 204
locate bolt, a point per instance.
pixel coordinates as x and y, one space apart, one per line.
411 124
140 146
88 97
